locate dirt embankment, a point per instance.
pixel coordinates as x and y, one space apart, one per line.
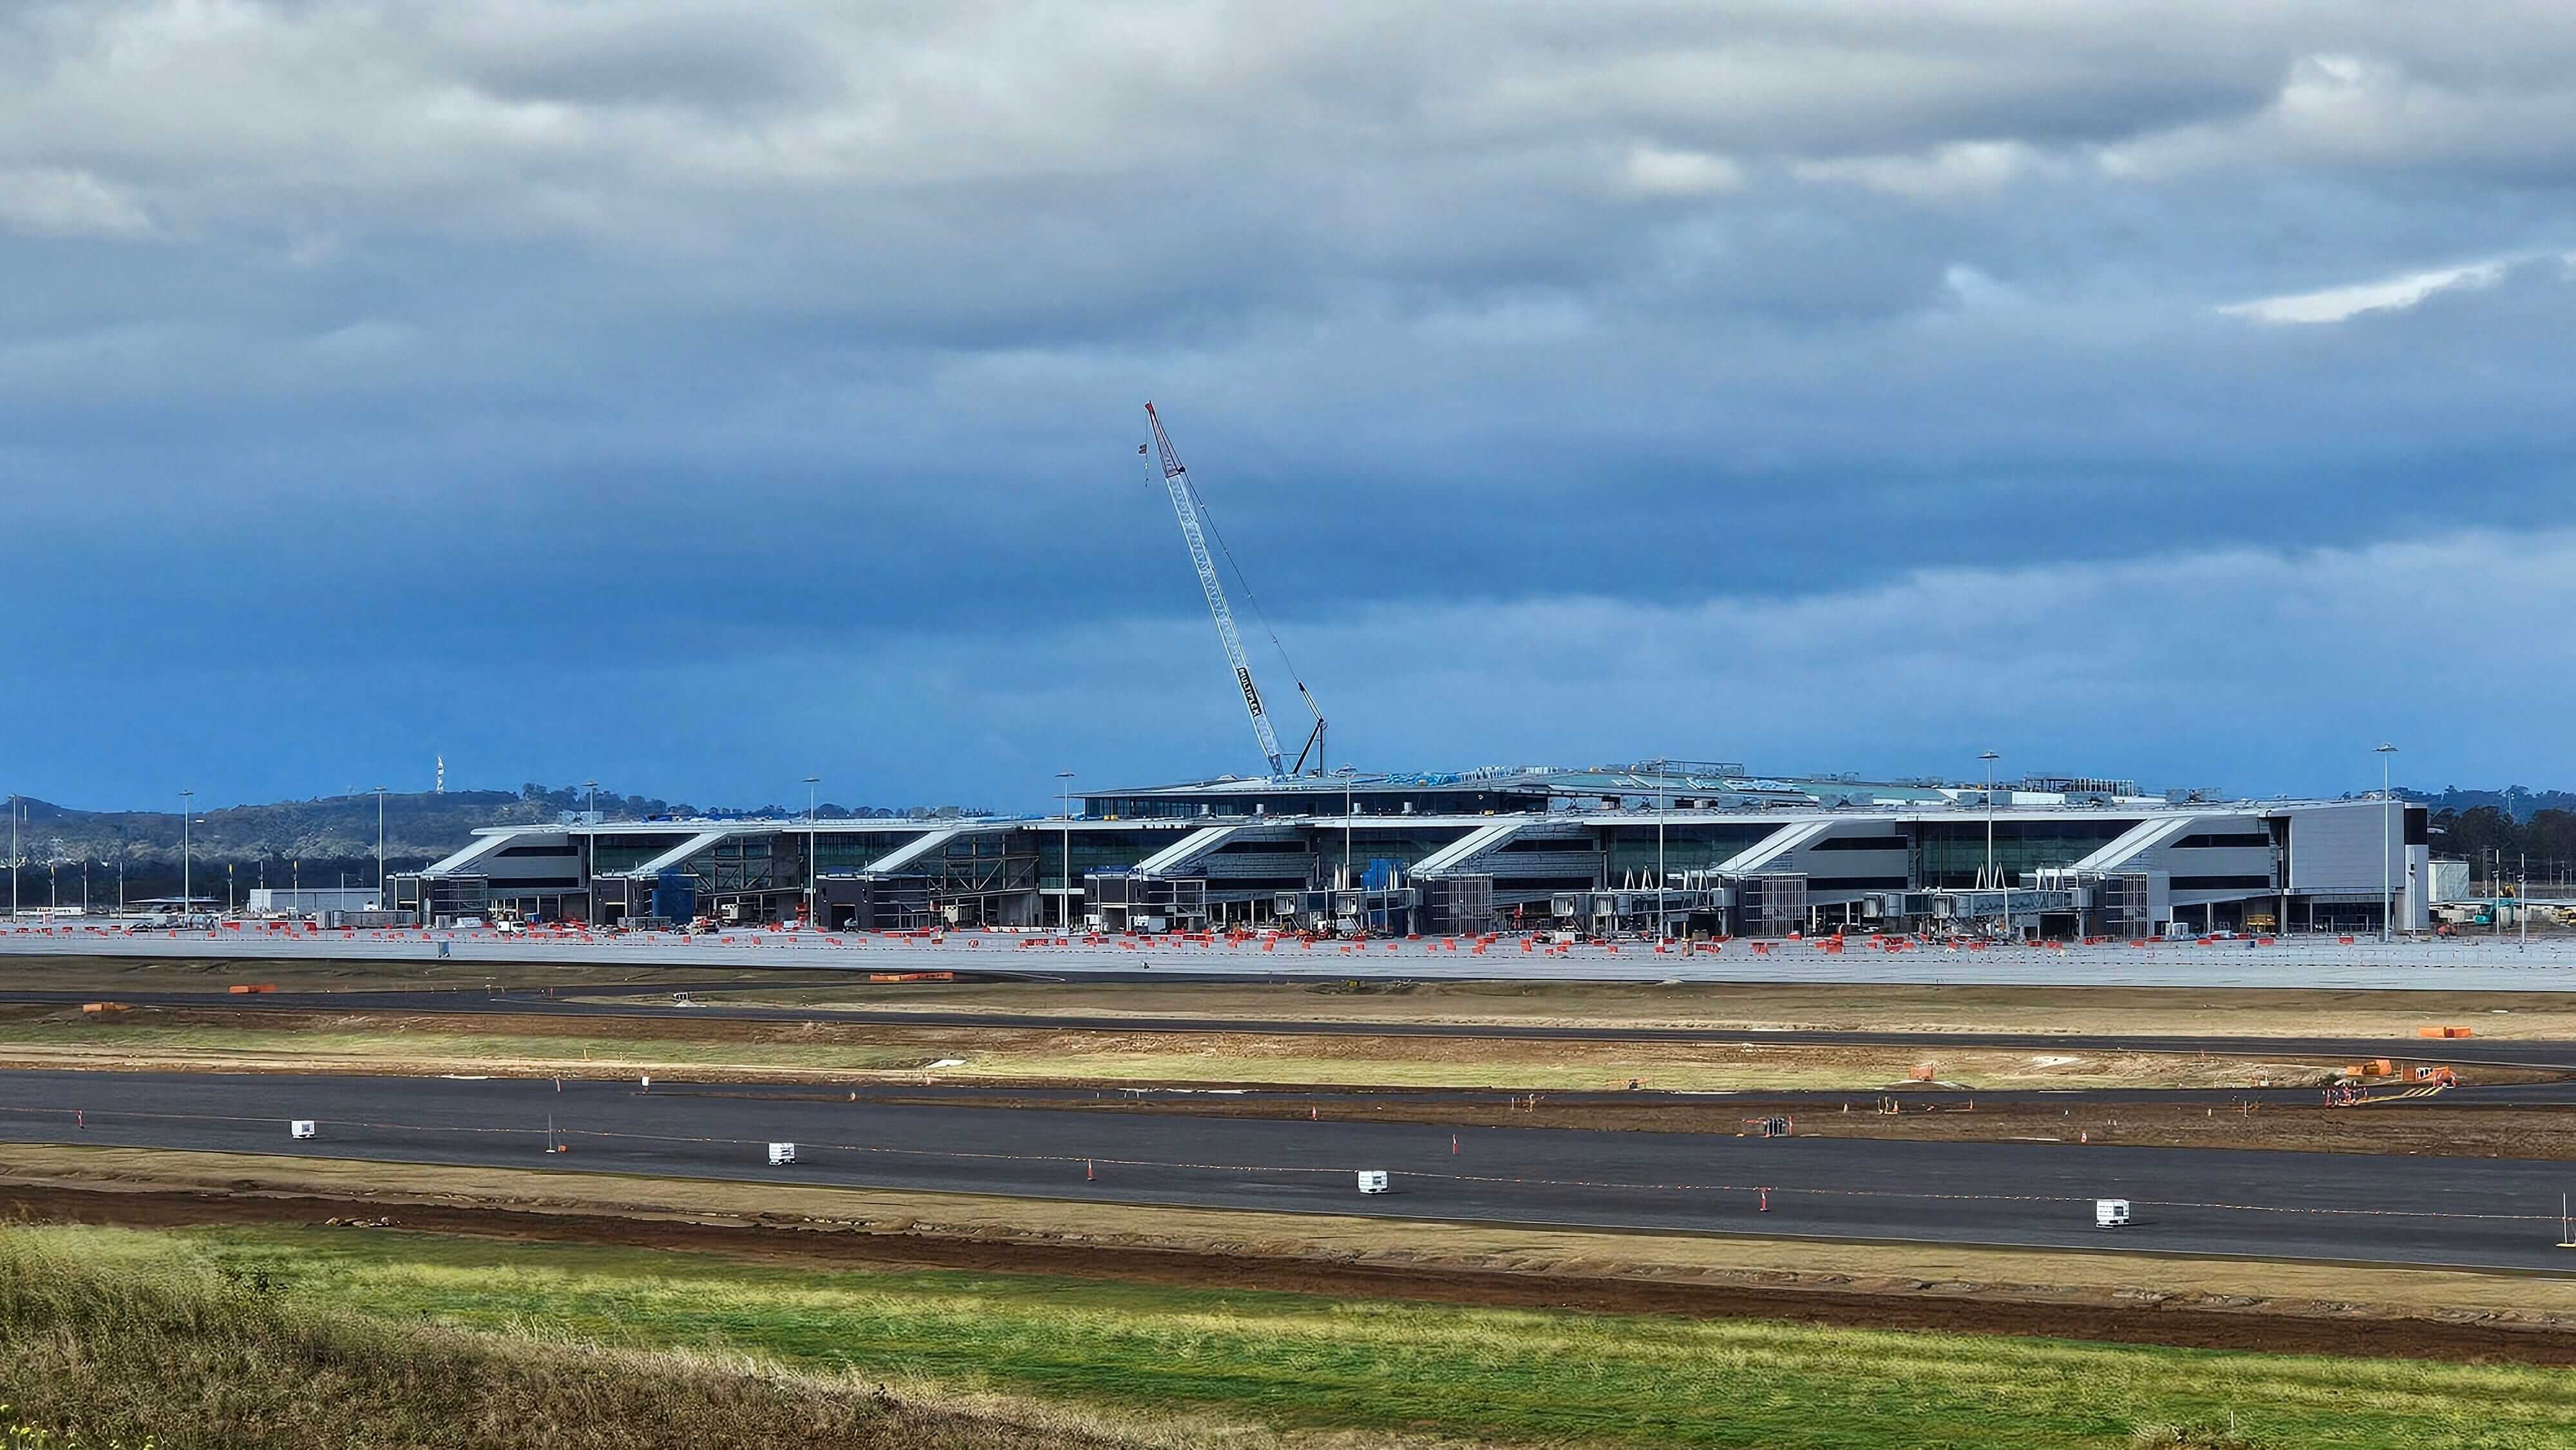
2454 1126
822 1050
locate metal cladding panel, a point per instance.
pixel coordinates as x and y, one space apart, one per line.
1816 862
482 845
1541 864
2338 847
2171 855
2450 881
2211 861
1264 867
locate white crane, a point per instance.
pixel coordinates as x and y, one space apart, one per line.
1176 480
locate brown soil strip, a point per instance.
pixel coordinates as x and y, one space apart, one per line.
411 1041
2117 1316
2095 1011
2453 1126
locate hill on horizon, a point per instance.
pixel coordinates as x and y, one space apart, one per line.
419 826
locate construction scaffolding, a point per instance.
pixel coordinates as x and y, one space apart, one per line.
1771 903
1123 902
1457 905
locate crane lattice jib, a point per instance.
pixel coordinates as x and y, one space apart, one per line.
1176 481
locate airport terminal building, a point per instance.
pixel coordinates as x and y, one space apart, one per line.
1734 853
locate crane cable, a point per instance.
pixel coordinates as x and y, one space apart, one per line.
1207 518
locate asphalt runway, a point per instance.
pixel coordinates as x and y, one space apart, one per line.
2488 1213
626 1001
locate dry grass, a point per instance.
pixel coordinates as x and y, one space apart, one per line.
110 1337
168 1039
2077 1010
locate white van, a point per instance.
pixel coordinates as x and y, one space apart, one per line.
1373 1181
2110 1212
780 1153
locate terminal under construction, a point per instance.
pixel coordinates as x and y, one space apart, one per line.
1664 846
1670 846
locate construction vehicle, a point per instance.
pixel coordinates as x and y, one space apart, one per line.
2110 1213
1192 512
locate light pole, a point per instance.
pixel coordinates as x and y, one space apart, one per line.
811 781
13 858
590 867
1992 878
1064 794
2387 901
380 848
1663 805
1348 882
187 876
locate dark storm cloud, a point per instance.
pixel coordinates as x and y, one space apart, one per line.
446 339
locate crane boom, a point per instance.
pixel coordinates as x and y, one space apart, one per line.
1176 480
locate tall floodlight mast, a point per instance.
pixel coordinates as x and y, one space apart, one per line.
1176 481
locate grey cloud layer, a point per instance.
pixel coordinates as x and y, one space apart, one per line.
1676 306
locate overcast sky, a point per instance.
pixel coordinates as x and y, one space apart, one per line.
700 397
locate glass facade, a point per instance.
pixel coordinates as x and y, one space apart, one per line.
610 855
1693 847
1402 847
1093 850
1949 854
851 850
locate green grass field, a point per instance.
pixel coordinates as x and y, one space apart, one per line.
1299 1363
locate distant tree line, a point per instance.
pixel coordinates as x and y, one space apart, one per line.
2500 848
